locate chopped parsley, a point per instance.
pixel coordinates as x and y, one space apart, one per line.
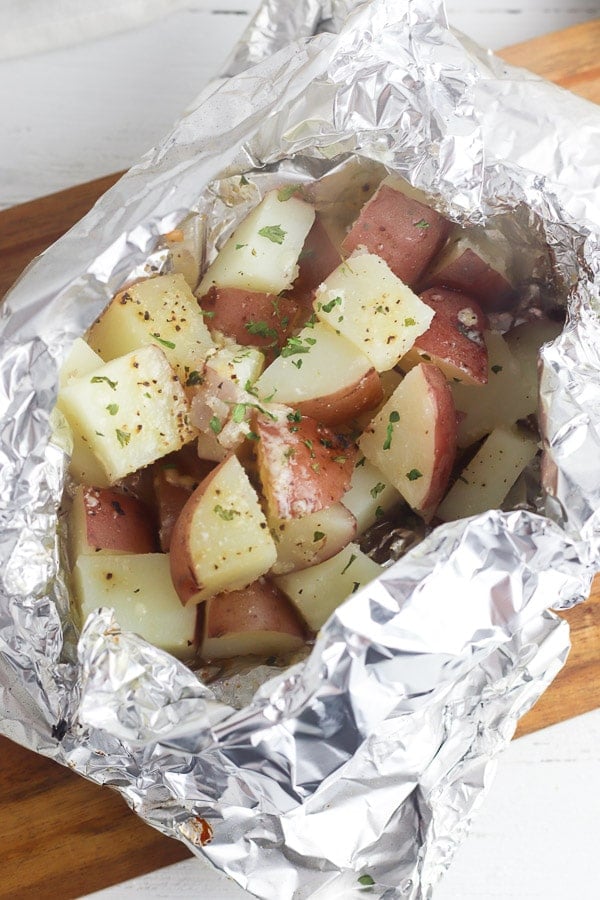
239 413
328 307
496 369
193 379
361 462
296 345
261 329
318 536
366 881
285 193
123 437
113 409
226 514
422 224
377 489
240 246
297 363
215 425
168 344
349 563
98 379
243 181
409 322
414 475
274 233
394 417
379 512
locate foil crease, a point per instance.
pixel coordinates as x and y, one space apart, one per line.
371 756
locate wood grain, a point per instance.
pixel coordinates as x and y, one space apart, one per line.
62 835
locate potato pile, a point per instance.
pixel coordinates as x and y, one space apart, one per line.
236 431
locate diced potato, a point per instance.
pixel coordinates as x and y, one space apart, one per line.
262 253
304 377
370 496
490 475
311 539
160 311
105 521
368 305
129 412
139 589
84 467
240 364
221 541
186 246
318 591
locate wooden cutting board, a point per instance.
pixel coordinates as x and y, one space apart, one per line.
62 835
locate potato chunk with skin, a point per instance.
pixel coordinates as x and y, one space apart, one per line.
370 306
221 541
129 412
262 253
303 466
138 588
405 233
413 438
108 521
311 539
160 311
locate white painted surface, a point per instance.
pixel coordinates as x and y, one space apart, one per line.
76 113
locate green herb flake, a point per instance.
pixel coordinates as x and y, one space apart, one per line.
208 313
297 363
349 563
394 417
98 379
377 489
328 307
295 416
496 369
289 453
318 536
274 233
340 459
409 322
414 475
293 346
239 413
426 357
168 344
379 512
123 437
287 192
253 436
240 246
361 462
226 514
422 224
366 881
112 409
355 586
261 329
215 425
193 379
243 181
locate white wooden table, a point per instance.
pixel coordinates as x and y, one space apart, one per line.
73 114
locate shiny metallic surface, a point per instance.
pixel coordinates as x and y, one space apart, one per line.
370 756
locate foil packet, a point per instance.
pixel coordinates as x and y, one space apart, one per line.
364 763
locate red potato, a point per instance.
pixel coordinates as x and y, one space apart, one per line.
405 233
304 467
454 341
258 620
171 497
310 540
107 521
318 259
464 268
347 403
412 440
221 541
251 318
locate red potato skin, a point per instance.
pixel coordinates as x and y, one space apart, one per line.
402 231
318 259
346 404
472 275
170 500
117 521
237 313
455 335
445 440
303 466
259 607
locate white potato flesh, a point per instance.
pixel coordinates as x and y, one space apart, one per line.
499 402
262 253
250 643
370 306
222 536
129 412
186 246
326 363
84 467
160 311
80 360
139 589
488 478
370 496
309 540
318 591
242 365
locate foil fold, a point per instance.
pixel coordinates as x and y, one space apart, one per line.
371 756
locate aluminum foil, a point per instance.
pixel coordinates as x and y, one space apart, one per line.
369 758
